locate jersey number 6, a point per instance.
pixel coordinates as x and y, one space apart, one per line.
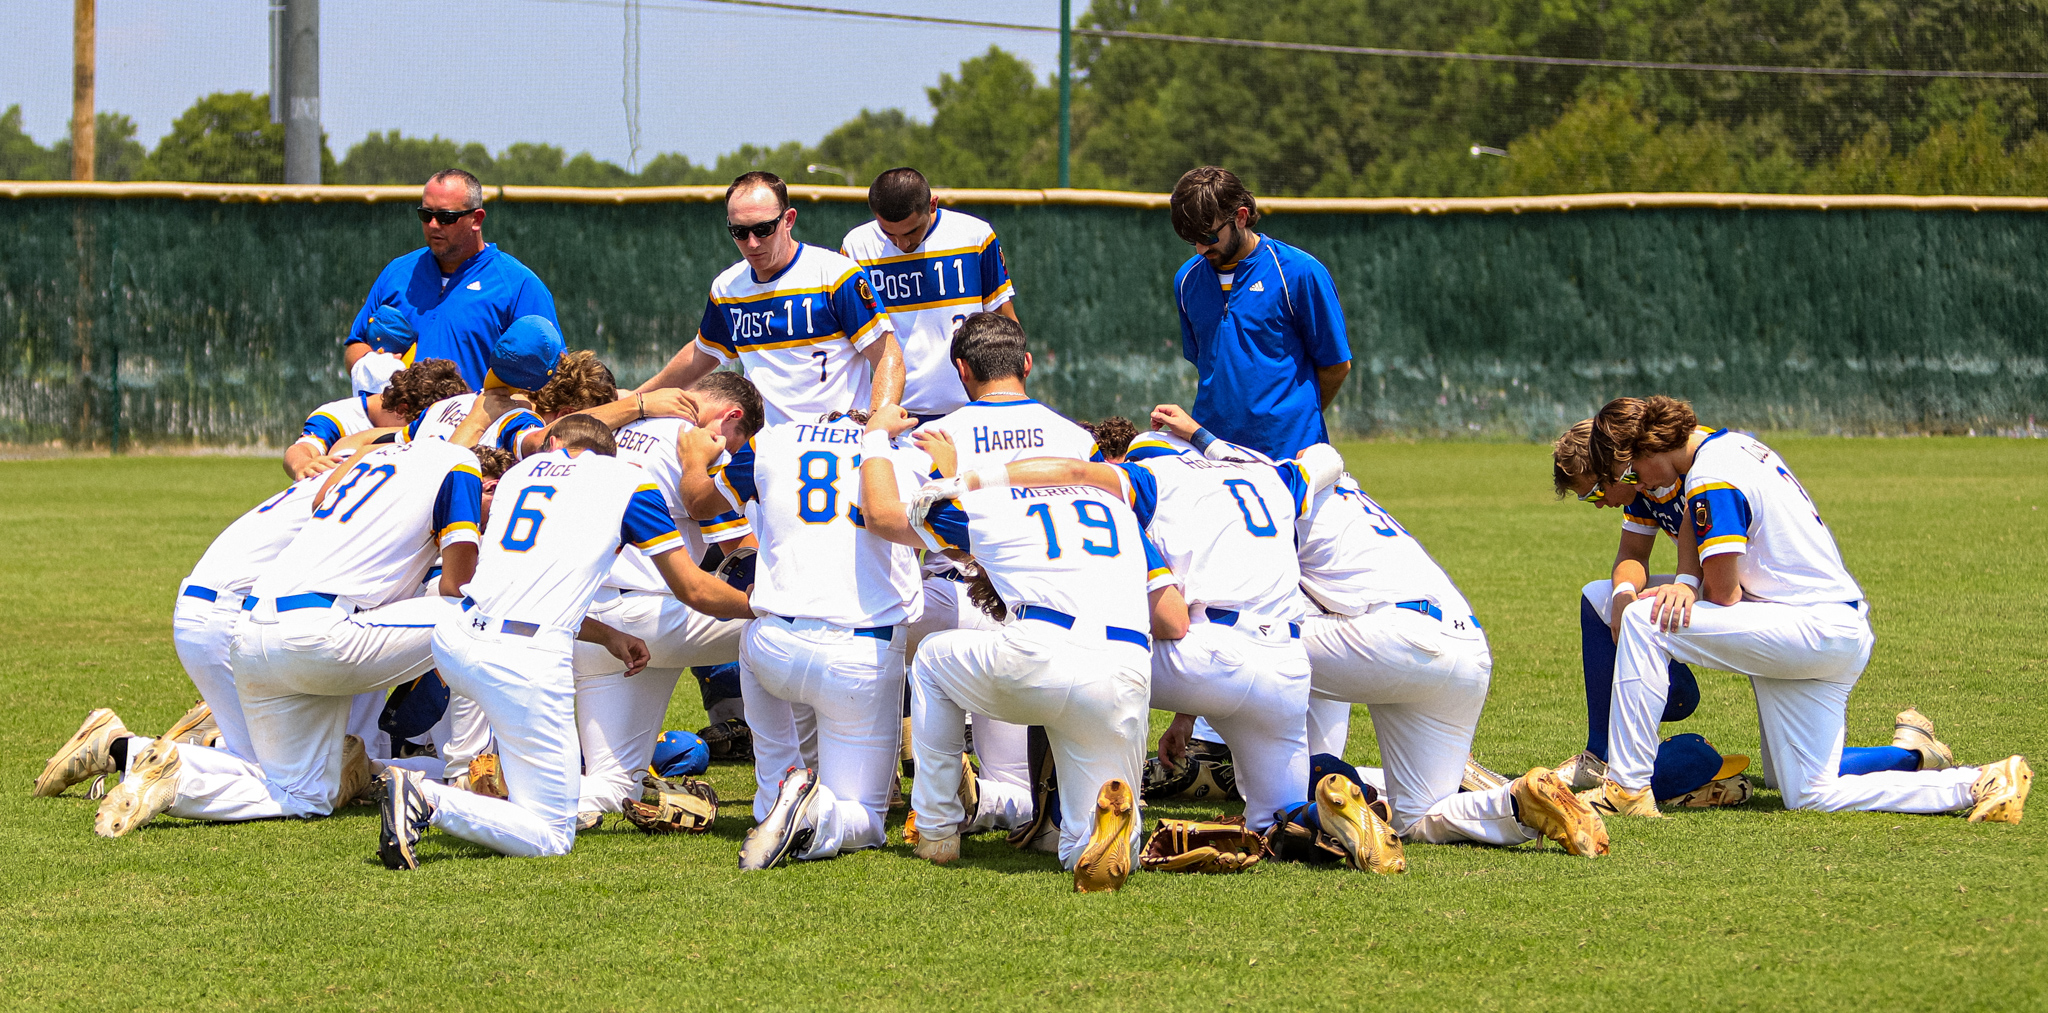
514 541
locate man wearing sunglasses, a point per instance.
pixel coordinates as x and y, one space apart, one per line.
801 319
1258 318
458 292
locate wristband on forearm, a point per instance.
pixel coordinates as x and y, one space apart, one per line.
1689 581
1624 586
875 444
1202 438
996 477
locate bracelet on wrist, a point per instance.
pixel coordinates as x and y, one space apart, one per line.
640 401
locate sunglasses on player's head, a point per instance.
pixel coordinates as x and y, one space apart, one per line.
760 230
1599 491
428 214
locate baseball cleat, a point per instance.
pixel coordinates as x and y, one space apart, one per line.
2001 791
1545 804
589 820
405 813
1369 844
149 788
1734 789
1611 799
1915 731
1045 796
356 774
191 728
1582 771
1478 778
905 759
86 755
939 851
787 828
487 776
1106 862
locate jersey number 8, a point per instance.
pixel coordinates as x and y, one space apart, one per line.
817 499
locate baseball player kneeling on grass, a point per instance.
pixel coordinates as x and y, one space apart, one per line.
1071 566
557 521
1778 606
1396 635
830 597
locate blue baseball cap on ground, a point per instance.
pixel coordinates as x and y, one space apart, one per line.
525 355
389 331
1686 762
679 753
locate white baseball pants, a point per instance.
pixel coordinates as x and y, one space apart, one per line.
1254 689
526 689
203 632
1424 683
1003 747
297 674
1089 693
853 683
1329 722
1802 660
618 718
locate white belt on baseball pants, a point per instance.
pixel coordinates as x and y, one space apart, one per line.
1802 661
1253 687
1089 692
1424 684
298 665
852 680
618 718
1003 748
520 674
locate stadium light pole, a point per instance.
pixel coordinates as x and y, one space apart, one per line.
82 73
302 88
1066 90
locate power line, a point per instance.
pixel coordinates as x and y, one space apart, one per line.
1312 47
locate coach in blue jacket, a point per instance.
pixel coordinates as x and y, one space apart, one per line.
1258 318
459 293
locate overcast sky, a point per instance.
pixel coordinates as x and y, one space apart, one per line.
712 76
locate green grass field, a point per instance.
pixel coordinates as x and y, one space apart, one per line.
1708 910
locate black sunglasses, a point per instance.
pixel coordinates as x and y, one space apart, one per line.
760 230
428 214
1211 238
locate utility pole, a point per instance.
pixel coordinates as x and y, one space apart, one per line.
1066 90
277 102
302 89
82 49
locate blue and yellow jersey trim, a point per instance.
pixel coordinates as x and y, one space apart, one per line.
946 524
459 505
1720 518
904 258
646 524
321 429
723 526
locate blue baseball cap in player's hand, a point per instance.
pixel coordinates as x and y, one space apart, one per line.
389 331
525 355
677 754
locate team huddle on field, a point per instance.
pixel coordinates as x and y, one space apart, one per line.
478 596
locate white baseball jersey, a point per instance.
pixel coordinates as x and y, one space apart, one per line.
958 269
1073 549
798 335
442 417
650 444
1355 556
1743 499
240 553
817 561
994 432
1225 529
557 521
334 420
373 538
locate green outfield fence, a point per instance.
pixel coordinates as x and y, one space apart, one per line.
175 314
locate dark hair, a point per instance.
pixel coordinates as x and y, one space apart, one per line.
1206 194
740 391
470 183
415 388
981 590
898 194
761 177
1113 435
578 382
992 345
492 462
584 431
1628 428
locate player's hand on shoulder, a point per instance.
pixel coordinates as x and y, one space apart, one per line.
670 403
1173 419
317 466
938 445
1673 608
698 448
891 419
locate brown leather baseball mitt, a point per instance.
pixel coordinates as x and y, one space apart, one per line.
1224 845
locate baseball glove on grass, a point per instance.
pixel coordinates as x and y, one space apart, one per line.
684 805
1225 845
